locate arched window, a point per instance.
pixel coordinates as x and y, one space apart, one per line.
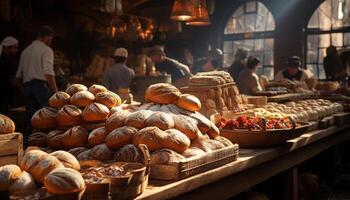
251 26
329 25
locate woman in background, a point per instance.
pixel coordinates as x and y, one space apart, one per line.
248 81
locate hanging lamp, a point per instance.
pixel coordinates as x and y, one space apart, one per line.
183 10
201 15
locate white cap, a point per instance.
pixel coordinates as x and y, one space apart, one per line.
8 41
122 52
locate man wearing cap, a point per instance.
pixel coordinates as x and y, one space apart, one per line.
212 62
239 63
293 71
119 75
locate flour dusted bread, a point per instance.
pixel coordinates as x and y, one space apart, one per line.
82 99
95 112
116 120
176 141
208 145
54 139
59 99
75 137
8 175
72 89
64 181
224 141
38 139
213 131
67 159
193 152
203 123
165 157
95 89
152 137
138 118
161 120
69 115
31 158
101 152
22 184
44 118
109 99
162 93
189 102
97 136
128 153
6 125
120 137
186 125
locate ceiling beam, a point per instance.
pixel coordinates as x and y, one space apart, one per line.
135 5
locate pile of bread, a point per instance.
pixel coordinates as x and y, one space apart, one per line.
6 125
57 172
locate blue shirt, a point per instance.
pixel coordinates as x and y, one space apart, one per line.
118 76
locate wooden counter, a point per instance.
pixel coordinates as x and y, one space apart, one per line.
253 167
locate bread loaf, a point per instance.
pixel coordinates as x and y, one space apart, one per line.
64 181
208 145
67 159
152 137
77 150
138 119
71 90
8 175
31 158
82 99
224 141
120 137
109 99
186 125
193 152
128 153
75 137
162 93
44 118
59 99
189 102
6 125
176 141
38 139
95 89
213 131
116 120
23 184
85 155
54 139
165 157
97 136
161 120
95 112
202 122
101 152
69 115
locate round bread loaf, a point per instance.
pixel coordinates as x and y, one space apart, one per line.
44 118
176 141
97 136
54 139
95 112
213 131
162 93
8 175
189 102
101 152
152 137
120 137
138 118
23 184
161 120
69 115
95 89
72 89
165 157
116 120
223 141
6 125
76 151
75 137
82 99
45 165
128 153
85 155
38 139
192 152
59 99
67 159
64 181
109 99
186 125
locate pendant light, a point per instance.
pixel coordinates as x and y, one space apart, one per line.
201 15
183 10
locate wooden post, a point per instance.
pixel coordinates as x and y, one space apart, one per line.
290 184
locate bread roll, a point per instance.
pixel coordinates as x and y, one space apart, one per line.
54 139
23 184
186 125
189 102
165 157
224 141
193 152
75 137
38 139
71 90
120 137
8 175
64 181
67 159
162 93
109 99
85 155
150 136
95 89
128 153
69 115
161 120
6 125
202 122
101 152
138 118
116 120
176 141
82 99
59 99
95 112
208 145
97 136
44 118
213 131
77 150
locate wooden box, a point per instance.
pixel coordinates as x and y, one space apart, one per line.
11 148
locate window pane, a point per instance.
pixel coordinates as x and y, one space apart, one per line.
324 40
269 44
268 58
312 56
346 39
228 48
228 59
313 69
337 39
312 42
321 55
259 45
322 73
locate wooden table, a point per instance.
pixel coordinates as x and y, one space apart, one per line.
289 97
254 166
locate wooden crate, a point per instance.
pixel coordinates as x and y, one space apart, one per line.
11 148
196 165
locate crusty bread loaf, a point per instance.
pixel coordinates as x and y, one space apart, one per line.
54 139
162 93
203 123
189 102
108 98
101 152
59 99
69 115
67 159
120 137
6 125
116 120
95 89
193 152
77 150
8 175
138 118
186 125
72 89
85 155
75 137
97 136
224 141
82 99
161 120
38 139
64 181
207 145
152 137
44 118
213 131
128 153
165 157
31 158
23 184
95 112
176 141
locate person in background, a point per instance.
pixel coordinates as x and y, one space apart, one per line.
119 75
8 66
332 63
212 62
248 81
36 71
293 71
239 63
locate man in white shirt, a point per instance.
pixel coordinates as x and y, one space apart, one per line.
36 70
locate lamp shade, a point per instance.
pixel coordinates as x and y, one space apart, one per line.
201 15
183 10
